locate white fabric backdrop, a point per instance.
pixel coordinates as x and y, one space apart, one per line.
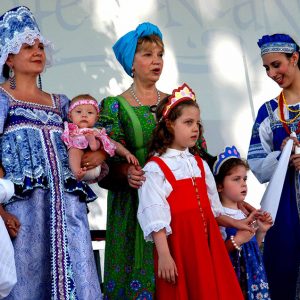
211 45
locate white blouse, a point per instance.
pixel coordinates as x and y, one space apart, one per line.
154 211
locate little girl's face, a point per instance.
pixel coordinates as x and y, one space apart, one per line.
84 116
234 187
186 128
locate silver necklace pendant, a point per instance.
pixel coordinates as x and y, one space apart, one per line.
152 107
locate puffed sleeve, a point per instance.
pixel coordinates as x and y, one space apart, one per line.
212 192
154 211
110 119
3 109
262 158
6 190
8 276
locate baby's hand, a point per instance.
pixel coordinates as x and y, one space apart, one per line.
132 159
80 174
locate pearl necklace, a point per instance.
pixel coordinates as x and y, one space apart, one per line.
152 107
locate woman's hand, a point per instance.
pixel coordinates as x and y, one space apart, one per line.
135 176
93 159
295 161
247 224
245 207
12 224
296 142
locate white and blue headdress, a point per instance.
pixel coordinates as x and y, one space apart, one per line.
229 152
282 43
18 26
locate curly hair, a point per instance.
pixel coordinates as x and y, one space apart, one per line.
163 136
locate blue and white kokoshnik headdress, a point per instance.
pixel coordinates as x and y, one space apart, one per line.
282 43
229 152
18 26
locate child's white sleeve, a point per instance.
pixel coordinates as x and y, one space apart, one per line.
212 192
154 211
6 190
8 277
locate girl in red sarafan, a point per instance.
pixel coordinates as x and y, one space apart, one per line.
176 205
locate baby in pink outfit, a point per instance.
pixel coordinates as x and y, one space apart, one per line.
81 134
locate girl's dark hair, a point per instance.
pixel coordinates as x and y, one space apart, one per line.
289 55
5 71
227 167
162 136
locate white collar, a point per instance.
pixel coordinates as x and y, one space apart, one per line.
231 212
174 152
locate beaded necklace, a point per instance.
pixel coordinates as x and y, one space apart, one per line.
152 107
282 119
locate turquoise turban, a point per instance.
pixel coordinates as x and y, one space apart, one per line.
125 47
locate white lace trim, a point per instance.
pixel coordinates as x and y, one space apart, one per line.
27 37
155 228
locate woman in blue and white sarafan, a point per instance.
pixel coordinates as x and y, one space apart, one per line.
53 250
274 123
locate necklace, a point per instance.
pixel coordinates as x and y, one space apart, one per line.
287 106
152 107
282 119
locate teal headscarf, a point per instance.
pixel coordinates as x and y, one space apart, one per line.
125 47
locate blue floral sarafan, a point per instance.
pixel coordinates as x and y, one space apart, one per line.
249 267
46 202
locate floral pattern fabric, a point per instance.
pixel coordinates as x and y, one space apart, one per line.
249 267
47 204
122 280
74 137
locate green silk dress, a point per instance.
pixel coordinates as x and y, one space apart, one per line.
124 278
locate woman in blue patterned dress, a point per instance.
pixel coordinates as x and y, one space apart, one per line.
275 120
53 251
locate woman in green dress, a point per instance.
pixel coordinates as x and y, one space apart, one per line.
129 119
